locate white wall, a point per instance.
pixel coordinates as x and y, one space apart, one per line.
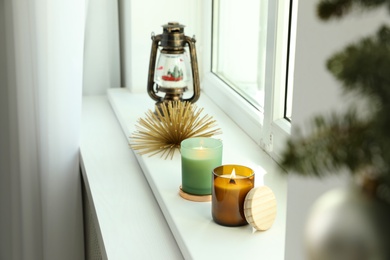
316 91
101 49
117 47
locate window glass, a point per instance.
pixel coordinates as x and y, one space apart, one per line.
237 44
239 49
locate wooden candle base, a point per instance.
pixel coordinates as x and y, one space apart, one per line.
192 197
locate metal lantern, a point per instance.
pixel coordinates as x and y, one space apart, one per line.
173 71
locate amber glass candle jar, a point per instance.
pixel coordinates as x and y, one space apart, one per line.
231 183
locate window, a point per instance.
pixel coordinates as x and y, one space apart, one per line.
238 47
249 66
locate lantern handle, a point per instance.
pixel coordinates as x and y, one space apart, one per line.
195 71
153 56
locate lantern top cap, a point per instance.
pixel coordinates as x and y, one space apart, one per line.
173 27
173 24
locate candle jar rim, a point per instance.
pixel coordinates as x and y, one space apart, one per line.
248 171
209 143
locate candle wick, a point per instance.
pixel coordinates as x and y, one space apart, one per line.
232 181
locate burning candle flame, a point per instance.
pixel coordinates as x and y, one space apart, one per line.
233 176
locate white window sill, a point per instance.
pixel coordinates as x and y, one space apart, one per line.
191 223
126 217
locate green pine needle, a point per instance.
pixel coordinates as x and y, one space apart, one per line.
350 141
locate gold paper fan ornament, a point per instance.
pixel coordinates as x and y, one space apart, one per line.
163 131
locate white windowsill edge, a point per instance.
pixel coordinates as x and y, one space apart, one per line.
124 213
191 223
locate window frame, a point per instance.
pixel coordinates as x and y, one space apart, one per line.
271 134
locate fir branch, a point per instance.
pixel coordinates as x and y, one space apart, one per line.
364 67
327 9
336 142
345 141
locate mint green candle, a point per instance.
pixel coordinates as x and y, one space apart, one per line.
199 157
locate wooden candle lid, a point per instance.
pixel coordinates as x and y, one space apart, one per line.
260 208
